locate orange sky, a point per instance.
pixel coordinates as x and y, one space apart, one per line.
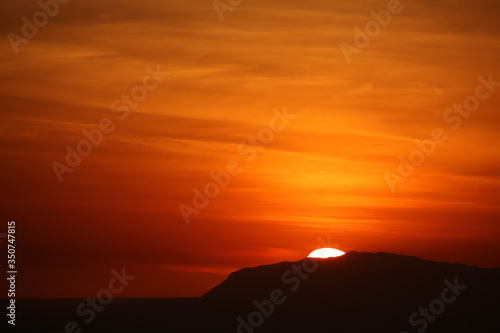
322 175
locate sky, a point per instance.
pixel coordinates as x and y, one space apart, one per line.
316 114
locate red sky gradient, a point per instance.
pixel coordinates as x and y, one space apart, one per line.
322 175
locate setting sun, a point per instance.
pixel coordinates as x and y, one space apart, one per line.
326 252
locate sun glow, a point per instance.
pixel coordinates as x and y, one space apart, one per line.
326 252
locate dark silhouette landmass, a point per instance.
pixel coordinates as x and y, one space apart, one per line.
357 292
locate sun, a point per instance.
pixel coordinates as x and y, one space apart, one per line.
326 252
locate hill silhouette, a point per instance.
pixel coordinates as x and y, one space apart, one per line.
366 292
357 292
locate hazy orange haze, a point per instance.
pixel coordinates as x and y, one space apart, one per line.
322 175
